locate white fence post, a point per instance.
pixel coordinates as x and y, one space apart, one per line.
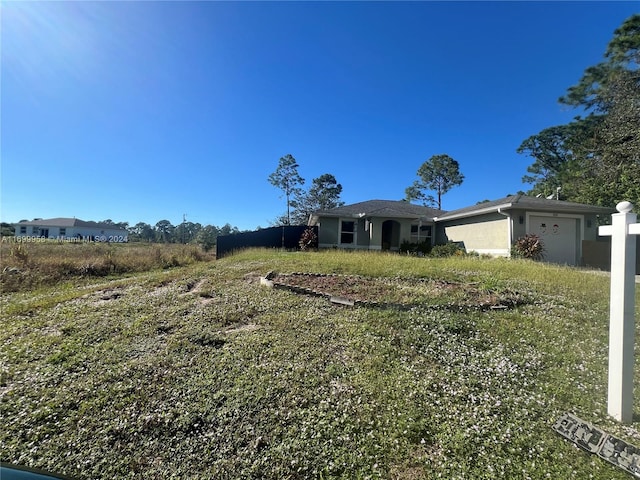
621 311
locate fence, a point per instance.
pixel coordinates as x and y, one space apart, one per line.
597 254
286 237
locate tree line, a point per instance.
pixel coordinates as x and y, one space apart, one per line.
185 232
162 232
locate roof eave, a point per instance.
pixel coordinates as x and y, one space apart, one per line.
473 213
406 216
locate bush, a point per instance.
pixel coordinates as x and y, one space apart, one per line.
308 240
422 248
447 250
530 246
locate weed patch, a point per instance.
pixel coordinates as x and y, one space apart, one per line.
28 266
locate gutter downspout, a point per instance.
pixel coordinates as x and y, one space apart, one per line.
509 230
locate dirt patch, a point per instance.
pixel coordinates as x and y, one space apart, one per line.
162 291
243 328
105 296
401 292
199 289
195 287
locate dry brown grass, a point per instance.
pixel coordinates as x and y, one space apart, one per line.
30 265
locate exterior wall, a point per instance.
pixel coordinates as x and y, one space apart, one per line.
494 233
483 234
362 235
405 231
518 222
375 233
328 231
368 232
591 227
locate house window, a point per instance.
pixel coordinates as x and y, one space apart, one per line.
23 230
347 231
420 233
63 232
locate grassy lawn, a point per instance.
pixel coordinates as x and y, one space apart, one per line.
200 372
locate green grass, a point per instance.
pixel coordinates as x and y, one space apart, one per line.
200 372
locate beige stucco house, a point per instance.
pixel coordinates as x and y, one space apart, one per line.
492 227
487 228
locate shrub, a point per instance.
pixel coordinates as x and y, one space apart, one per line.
447 250
530 246
308 240
422 248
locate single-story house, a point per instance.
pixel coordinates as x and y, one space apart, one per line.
492 227
374 225
70 228
487 228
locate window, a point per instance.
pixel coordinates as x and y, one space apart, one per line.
347 231
420 233
23 230
63 231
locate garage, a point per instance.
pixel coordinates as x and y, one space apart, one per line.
559 236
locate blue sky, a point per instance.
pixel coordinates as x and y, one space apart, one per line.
144 111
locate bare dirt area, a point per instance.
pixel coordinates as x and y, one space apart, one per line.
401 291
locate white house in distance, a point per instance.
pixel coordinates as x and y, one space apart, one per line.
70 229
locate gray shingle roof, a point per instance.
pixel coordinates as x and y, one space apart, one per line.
525 202
381 208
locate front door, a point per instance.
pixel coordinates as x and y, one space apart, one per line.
390 235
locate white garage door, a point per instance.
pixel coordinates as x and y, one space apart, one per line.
559 236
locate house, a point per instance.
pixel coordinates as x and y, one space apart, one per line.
375 225
492 227
487 228
70 229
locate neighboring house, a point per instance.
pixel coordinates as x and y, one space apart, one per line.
486 228
492 227
374 225
70 228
